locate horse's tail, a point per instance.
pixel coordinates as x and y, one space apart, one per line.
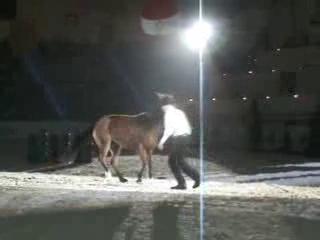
68 158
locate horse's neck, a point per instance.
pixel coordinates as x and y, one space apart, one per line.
157 115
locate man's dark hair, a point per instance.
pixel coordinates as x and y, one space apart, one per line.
166 99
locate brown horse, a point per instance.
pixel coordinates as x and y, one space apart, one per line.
140 133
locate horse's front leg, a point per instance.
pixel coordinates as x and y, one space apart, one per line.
140 174
143 158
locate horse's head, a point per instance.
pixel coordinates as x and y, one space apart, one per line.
165 99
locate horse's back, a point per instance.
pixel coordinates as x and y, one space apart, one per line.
140 120
130 130
125 130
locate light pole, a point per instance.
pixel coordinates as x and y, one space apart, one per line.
196 38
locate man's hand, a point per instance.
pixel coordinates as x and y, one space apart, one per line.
160 146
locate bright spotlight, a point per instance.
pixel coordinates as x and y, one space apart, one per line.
198 35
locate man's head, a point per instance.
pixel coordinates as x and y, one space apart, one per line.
166 99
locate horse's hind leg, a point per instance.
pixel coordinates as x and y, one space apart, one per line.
100 158
143 157
114 158
103 153
112 161
103 146
149 160
107 172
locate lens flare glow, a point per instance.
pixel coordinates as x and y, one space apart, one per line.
197 36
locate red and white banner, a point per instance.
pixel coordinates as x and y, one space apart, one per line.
160 17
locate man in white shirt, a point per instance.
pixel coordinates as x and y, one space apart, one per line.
177 128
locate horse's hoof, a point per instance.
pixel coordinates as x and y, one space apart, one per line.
139 180
108 175
123 180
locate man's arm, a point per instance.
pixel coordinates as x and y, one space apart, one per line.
168 131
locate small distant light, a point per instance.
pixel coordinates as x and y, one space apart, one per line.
250 72
274 70
268 97
296 96
255 59
224 74
278 49
244 98
190 99
214 99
